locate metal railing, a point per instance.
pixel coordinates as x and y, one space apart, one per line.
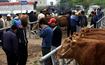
30 31
100 23
54 51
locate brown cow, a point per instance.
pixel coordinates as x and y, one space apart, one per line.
85 51
62 21
24 17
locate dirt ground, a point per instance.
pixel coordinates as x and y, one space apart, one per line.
34 50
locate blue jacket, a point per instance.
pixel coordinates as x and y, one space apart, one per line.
74 20
47 35
10 41
99 15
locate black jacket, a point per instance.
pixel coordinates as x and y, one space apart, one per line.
83 21
32 18
94 20
57 36
68 21
10 42
21 35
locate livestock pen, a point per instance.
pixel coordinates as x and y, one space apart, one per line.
99 24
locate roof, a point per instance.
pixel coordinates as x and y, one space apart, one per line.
14 3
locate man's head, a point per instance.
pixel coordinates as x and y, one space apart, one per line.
92 13
99 9
23 24
77 10
82 12
0 16
42 22
41 11
31 12
69 13
52 22
14 27
73 13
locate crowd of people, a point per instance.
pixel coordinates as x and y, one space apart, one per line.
79 18
14 41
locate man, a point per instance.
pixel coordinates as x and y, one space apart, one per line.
8 21
55 13
41 15
57 36
10 45
99 13
22 39
94 19
1 26
16 21
68 23
47 34
74 20
83 21
32 18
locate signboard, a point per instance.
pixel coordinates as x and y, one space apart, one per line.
24 2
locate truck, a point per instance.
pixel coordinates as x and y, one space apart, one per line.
77 7
63 8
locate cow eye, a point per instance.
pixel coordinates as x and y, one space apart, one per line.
63 47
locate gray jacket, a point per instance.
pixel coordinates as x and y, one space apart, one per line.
1 24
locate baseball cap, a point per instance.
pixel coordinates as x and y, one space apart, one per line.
51 20
8 15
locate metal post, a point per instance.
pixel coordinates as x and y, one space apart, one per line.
63 61
29 31
21 8
75 62
41 63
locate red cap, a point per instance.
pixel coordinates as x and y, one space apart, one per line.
51 20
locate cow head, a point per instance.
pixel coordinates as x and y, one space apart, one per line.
67 49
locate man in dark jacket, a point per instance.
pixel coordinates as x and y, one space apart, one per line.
57 37
68 24
32 18
10 45
83 21
1 26
94 19
22 39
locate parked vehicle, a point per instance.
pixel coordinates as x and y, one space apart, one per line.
77 7
91 8
63 8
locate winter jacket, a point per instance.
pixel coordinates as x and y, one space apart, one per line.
21 35
47 35
57 36
32 18
1 24
8 23
68 21
74 20
10 42
99 15
16 22
94 20
83 21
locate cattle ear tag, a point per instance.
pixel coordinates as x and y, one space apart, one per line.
74 40
77 37
82 35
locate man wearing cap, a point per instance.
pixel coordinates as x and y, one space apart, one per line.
47 34
8 21
57 36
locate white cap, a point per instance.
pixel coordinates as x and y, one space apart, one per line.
8 15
